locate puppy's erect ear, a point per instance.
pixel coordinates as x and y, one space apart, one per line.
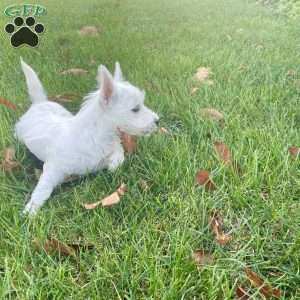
106 84
118 72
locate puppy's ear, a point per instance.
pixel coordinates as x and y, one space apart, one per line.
106 82
118 72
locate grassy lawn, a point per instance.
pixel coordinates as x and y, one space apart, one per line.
143 245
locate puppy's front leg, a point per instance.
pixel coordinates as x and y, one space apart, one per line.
50 178
116 158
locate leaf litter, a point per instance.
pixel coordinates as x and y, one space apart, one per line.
202 257
74 71
267 290
8 162
110 200
216 224
65 98
203 178
212 115
89 30
294 151
8 103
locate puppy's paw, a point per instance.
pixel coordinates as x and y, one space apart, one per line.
116 160
115 163
31 209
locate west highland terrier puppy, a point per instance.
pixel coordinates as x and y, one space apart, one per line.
86 142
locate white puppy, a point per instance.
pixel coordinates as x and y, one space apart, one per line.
86 142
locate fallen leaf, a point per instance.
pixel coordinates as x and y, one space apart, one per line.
144 185
89 30
216 226
240 293
163 130
291 73
229 37
9 163
294 151
202 257
8 104
223 152
212 114
81 246
129 142
264 195
275 273
112 199
92 62
223 238
54 246
203 178
74 71
64 97
194 90
202 74
267 290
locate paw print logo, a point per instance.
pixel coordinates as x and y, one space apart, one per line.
24 33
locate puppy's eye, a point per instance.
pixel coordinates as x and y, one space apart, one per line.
136 109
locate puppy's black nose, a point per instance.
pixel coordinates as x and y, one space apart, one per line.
156 122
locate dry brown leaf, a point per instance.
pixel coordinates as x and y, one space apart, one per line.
8 104
54 246
229 37
291 73
74 71
89 30
264 195
202 257
9 163
112 199
267 290
128 142
144 185
163 130
194 90
240 293
115 197
216 226
275 273
223 152
212 114
223 238
294 151
81 245
224 155
92 205
64 97
202 74
203 178
92 62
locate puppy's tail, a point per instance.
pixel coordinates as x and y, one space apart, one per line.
35 88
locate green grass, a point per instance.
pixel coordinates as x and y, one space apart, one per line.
144 244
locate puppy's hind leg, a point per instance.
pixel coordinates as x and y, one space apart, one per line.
50 178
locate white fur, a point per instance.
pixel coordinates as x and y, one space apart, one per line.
86 142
